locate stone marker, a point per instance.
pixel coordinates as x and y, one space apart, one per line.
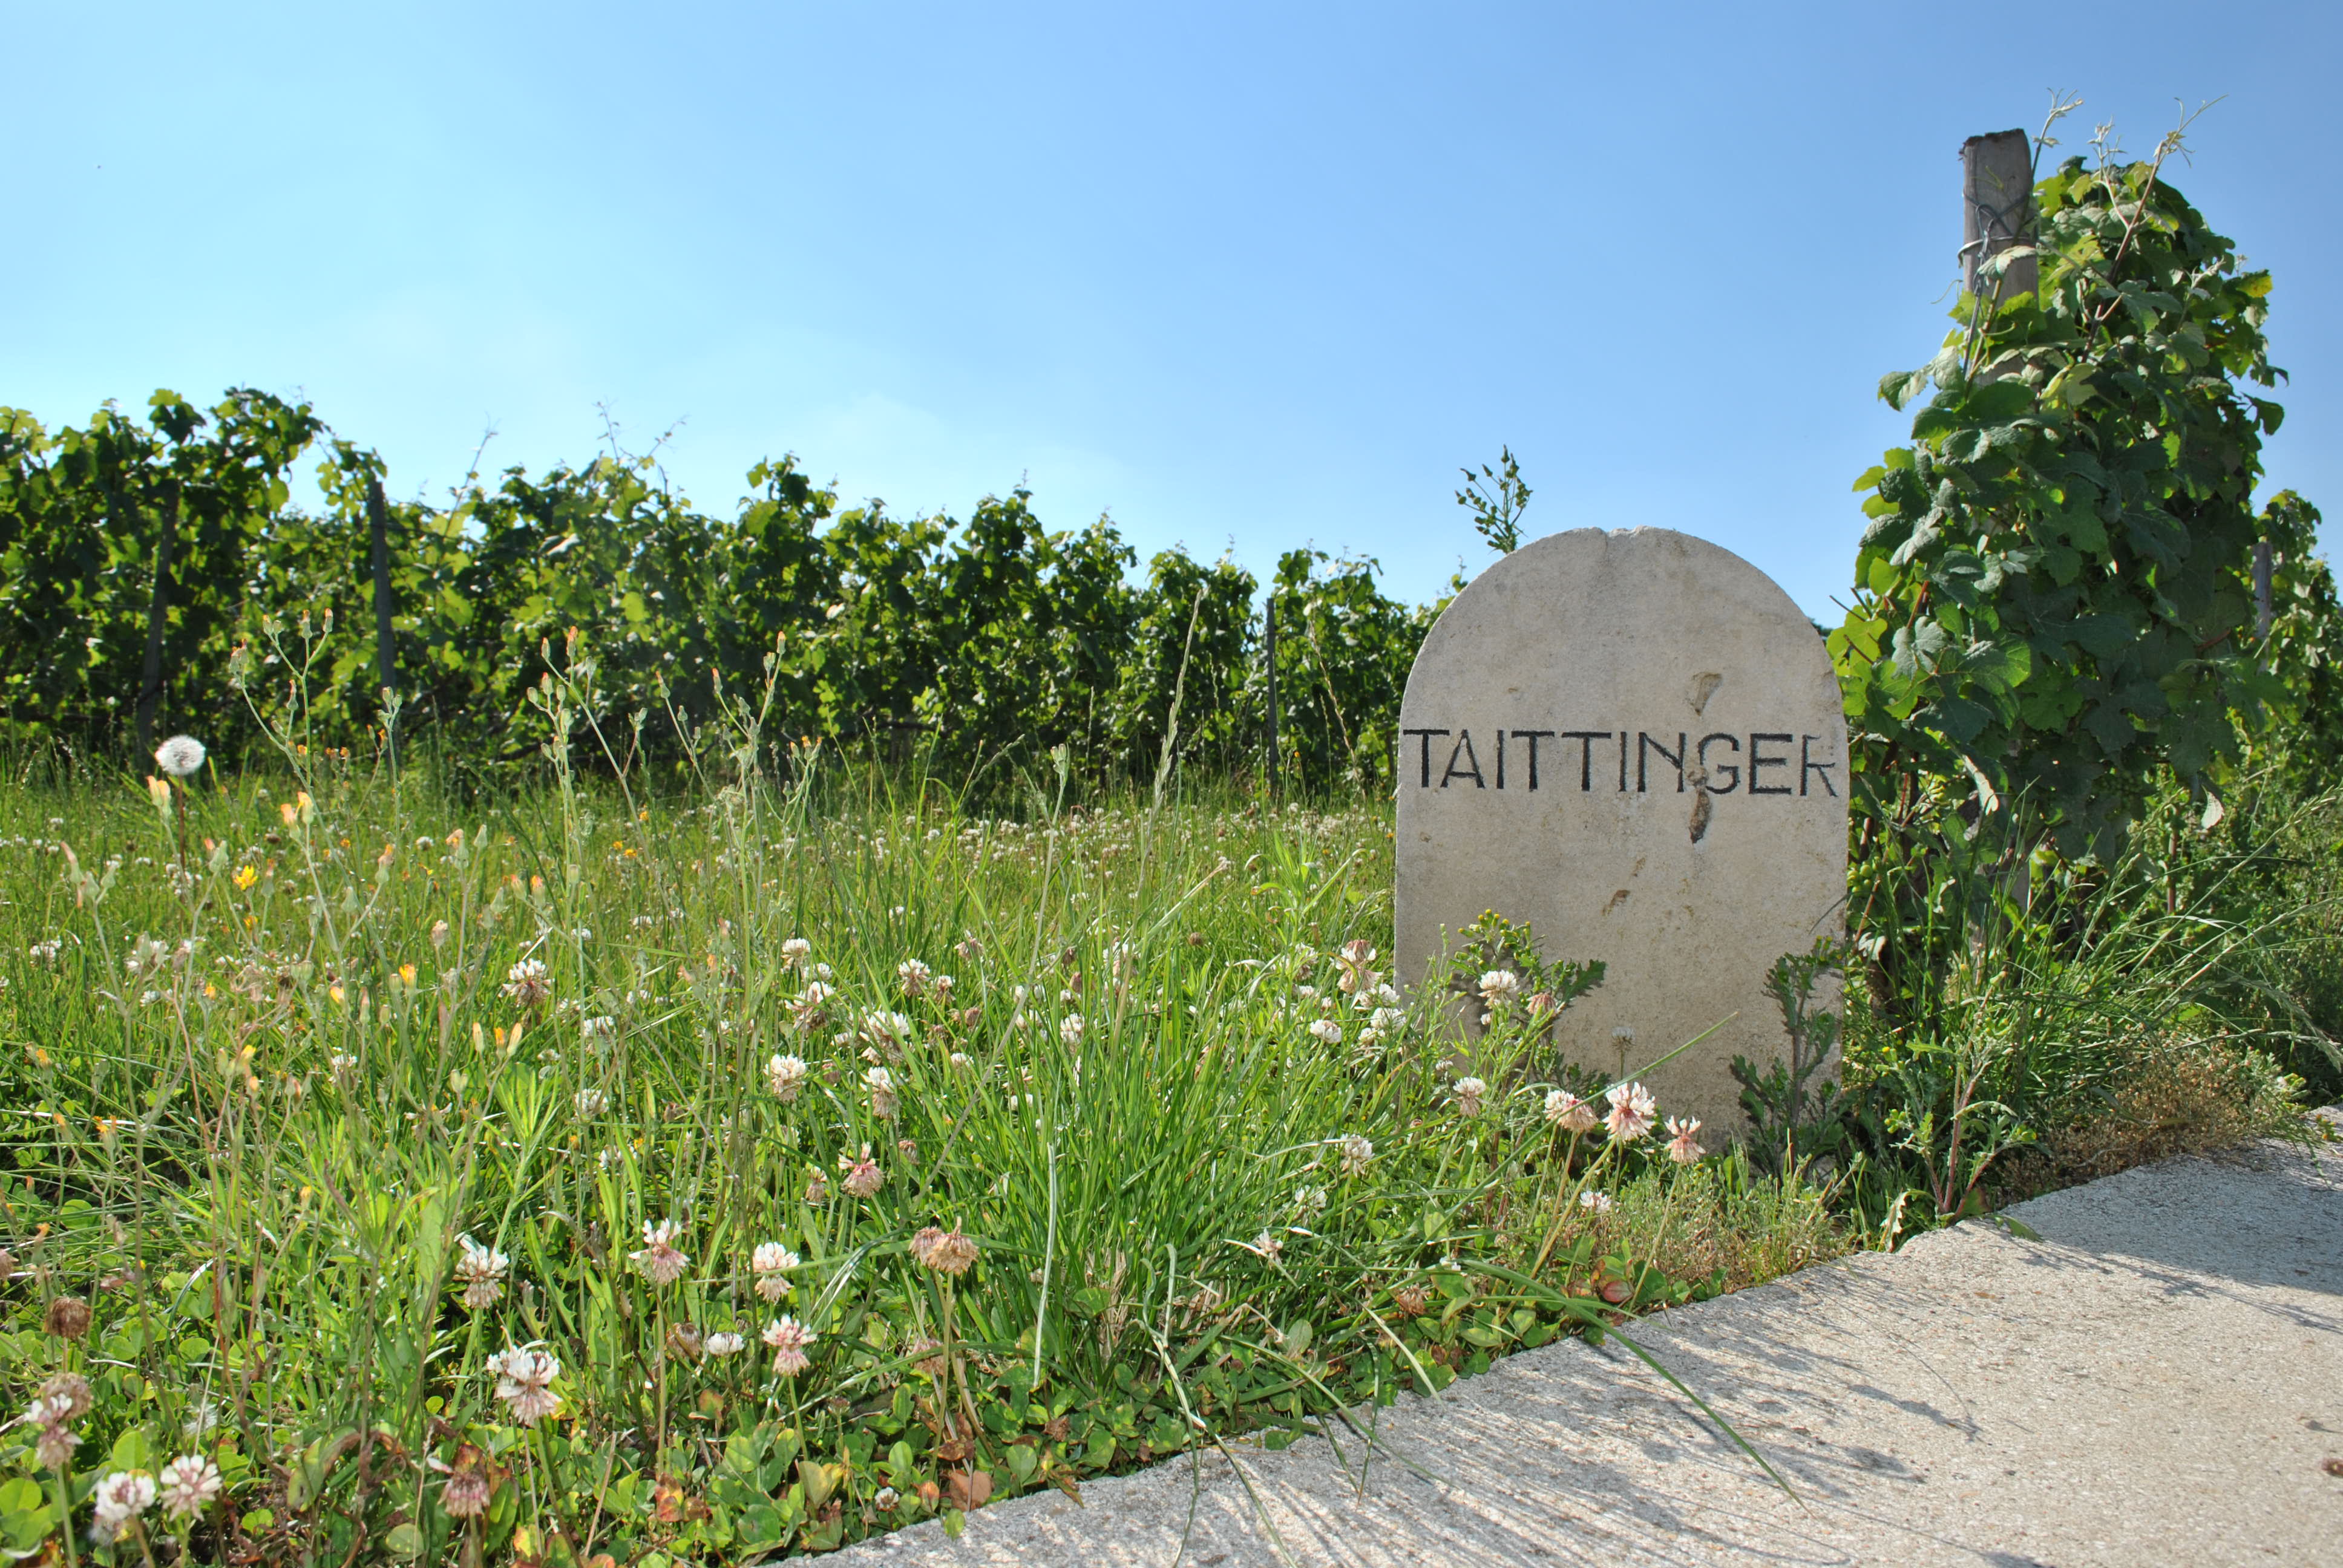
1633 741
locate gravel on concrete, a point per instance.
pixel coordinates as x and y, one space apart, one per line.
2156 1379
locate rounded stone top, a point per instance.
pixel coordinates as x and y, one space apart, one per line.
1630 738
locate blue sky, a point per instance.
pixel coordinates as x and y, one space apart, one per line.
1247 277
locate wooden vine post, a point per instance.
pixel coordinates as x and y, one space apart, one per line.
1998 208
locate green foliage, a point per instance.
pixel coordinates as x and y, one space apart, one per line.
977 647
89 519
2053 596
1793 1115
2043 986
1217 1177
1496 497
1343 654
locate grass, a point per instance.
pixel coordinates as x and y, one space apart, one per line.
268 1118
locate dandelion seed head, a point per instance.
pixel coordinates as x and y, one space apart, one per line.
180 756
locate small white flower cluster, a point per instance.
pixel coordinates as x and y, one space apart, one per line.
1631 1118
188 1484
771 1263
525 1382
481 1270
529 984
785 1075
808 1009
789 1339
1500 988
660 1262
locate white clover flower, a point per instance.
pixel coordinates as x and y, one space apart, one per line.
180 756
1327 1031
785 1075
525 1382
1070 1029
789 1339
1567 1112
880 1085
120 1498
591 1102
807 1011
658 1260
482 1270
722 1343
960 1061
1469 1093
529 984
913 976
1594 1202
1356 1151
795 952
771 1263
1632 1110
946 1252
863 1178
1499 989
1684 1146
601 1028
189 1483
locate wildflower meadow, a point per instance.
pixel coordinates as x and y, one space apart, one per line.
488 1096
601 1179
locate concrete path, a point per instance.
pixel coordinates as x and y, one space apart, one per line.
2157 1380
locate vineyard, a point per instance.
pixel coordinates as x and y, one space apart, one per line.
156 577
615 1035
